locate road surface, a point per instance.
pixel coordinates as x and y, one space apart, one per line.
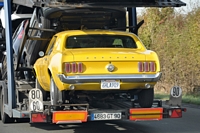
190 123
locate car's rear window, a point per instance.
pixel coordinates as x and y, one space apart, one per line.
100 41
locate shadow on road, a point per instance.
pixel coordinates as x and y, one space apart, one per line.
90 127
164 126
125 126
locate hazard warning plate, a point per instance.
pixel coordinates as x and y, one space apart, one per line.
70 116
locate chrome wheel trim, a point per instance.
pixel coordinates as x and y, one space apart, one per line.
52 92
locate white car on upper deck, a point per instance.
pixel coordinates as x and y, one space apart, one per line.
19 13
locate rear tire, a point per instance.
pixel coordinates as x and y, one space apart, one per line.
145 98
4 117
55 96
54 93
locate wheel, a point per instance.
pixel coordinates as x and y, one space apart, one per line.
55 96
54 93
4 117
44 93
145 98
40 45
43 23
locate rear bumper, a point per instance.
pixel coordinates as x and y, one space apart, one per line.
97 78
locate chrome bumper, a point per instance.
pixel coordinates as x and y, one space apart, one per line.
97 78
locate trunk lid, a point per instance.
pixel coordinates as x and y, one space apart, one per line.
96 61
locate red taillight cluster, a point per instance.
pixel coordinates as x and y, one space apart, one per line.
74 67
146 66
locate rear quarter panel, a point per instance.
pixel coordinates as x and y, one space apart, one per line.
152 56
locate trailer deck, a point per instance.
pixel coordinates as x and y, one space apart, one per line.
97 3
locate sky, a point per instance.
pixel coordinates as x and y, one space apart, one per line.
189 5
184 9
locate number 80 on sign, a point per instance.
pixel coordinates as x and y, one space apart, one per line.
35 100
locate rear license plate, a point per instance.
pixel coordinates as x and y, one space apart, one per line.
110 84
106 116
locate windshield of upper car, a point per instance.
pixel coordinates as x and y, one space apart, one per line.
100 41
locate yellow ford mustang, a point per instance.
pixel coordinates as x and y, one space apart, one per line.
87 65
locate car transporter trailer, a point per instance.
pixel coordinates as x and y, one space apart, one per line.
20 100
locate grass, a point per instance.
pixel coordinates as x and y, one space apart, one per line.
191 99
161 96
185 98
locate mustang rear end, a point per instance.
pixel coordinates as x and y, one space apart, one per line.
98 64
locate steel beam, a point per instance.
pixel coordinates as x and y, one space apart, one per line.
132 17
9 56
100 3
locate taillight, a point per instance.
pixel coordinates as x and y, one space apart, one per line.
146 66
140 66
38 117
176 113
152 67
67 67
80 67
74 67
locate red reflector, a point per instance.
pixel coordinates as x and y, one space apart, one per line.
74 70
67 67
152 67
146 66
39 117
23 115
176 113
140 66
80 67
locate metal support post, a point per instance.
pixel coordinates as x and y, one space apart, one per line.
9 54
132 17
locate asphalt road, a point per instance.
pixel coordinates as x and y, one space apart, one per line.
190 123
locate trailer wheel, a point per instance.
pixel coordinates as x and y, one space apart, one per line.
145 98
4 117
